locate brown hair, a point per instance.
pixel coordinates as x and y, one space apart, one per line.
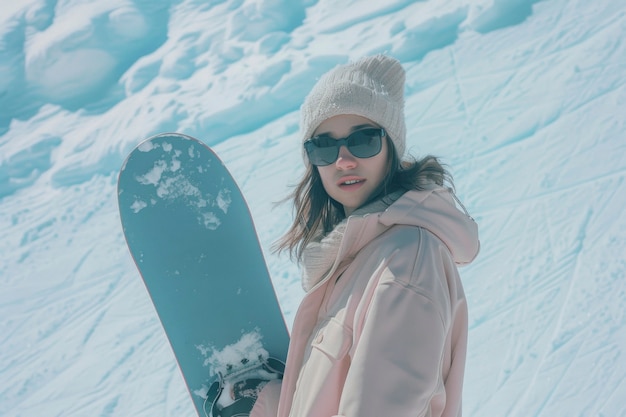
316 212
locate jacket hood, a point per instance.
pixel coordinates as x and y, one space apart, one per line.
435 210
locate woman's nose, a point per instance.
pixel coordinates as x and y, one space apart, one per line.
345 160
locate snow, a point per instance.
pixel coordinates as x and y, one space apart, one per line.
234 363
166 184
248 349
523 99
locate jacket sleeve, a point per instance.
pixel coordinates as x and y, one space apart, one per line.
397 361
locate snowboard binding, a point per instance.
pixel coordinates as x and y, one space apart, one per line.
233 394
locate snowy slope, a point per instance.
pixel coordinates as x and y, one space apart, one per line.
524 100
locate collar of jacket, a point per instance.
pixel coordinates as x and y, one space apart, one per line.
434 209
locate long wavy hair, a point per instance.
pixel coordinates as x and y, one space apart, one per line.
316 212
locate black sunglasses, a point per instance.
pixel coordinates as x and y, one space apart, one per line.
324 150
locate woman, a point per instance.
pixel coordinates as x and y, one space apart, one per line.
382 329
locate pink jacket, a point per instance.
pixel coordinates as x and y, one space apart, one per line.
384 332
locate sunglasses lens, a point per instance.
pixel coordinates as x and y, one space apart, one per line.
365 143
324 150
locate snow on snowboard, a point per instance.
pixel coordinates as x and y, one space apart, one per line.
192 238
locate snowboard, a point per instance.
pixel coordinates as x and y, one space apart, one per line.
191 235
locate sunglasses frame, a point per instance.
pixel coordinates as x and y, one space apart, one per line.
310 146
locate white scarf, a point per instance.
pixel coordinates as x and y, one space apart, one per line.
320 254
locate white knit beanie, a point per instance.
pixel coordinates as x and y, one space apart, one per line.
372 87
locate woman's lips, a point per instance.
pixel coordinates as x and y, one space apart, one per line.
350 183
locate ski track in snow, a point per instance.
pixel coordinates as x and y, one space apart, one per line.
523 99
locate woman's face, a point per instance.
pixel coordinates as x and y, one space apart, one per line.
351 180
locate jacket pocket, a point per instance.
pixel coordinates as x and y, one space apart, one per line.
333 339
322 377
